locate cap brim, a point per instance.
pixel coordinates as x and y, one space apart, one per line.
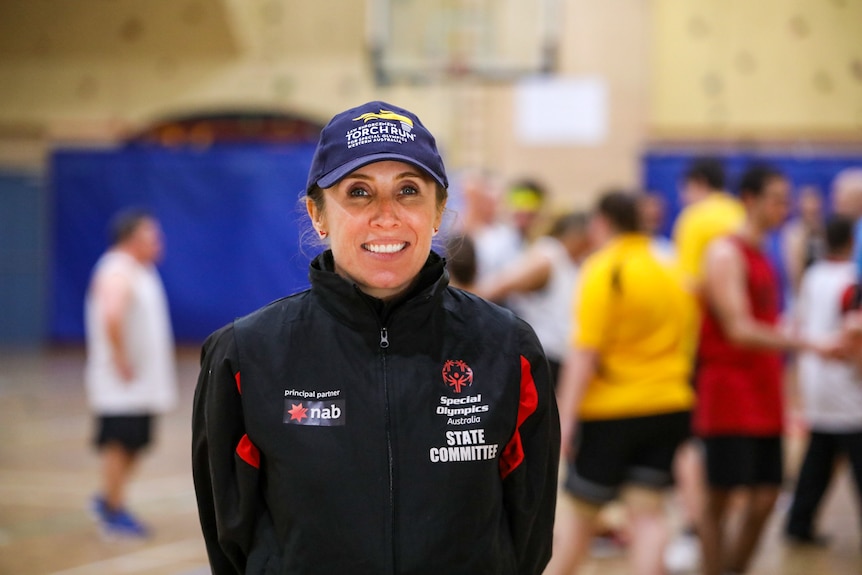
333 177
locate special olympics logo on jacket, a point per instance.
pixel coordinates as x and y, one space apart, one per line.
457 374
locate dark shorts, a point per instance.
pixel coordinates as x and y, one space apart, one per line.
131 431
635 450
738 460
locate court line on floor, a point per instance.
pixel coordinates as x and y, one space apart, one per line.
69 493
143 560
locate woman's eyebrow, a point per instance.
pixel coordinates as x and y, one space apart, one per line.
409 175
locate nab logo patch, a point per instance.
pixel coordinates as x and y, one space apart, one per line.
457 374
317 413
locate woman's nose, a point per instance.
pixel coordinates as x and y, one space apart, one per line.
386 213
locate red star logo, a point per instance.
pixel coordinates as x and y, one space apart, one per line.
297 412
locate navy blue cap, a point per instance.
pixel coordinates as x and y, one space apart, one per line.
369 133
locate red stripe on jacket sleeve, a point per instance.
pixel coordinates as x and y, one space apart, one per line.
238 385
248 452
513 453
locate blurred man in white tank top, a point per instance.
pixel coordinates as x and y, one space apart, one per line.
130 372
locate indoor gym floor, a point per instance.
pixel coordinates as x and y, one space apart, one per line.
48 474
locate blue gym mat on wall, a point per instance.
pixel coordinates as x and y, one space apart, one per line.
232 222
663 171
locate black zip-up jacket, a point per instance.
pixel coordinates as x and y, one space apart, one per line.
333 434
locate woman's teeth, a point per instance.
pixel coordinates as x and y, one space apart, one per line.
384 248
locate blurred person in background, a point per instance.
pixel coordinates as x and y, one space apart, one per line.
710 212
847 201
801 242
539 285
652 213
625 397
739 410
611 536
130 367
525 201
831 388
379 421
702 176
802 238
460 261
495 240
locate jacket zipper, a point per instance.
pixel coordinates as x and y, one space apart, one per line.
384 344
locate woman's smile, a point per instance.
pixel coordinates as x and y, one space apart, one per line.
384 248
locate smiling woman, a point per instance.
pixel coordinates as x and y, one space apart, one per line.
324 441
377 190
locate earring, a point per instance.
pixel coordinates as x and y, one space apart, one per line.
436 229
322 233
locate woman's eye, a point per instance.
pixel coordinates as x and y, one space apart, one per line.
357 192
409 191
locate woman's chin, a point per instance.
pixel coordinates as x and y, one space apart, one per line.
386 287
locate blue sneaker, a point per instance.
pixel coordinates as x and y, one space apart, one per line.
122 524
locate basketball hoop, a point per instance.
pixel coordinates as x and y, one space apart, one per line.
416 41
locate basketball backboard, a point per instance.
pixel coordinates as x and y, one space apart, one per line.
421 41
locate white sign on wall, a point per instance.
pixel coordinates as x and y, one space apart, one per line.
561 111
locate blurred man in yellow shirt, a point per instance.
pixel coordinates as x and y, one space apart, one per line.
711 212
624 393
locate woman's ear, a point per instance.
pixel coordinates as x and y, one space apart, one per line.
316 216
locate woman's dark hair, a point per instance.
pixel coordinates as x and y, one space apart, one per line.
708 171
839 233
124 223
755 178
620 208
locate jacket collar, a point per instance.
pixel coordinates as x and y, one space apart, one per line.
343 299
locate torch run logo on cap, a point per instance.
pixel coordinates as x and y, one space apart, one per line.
406 122
381 130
